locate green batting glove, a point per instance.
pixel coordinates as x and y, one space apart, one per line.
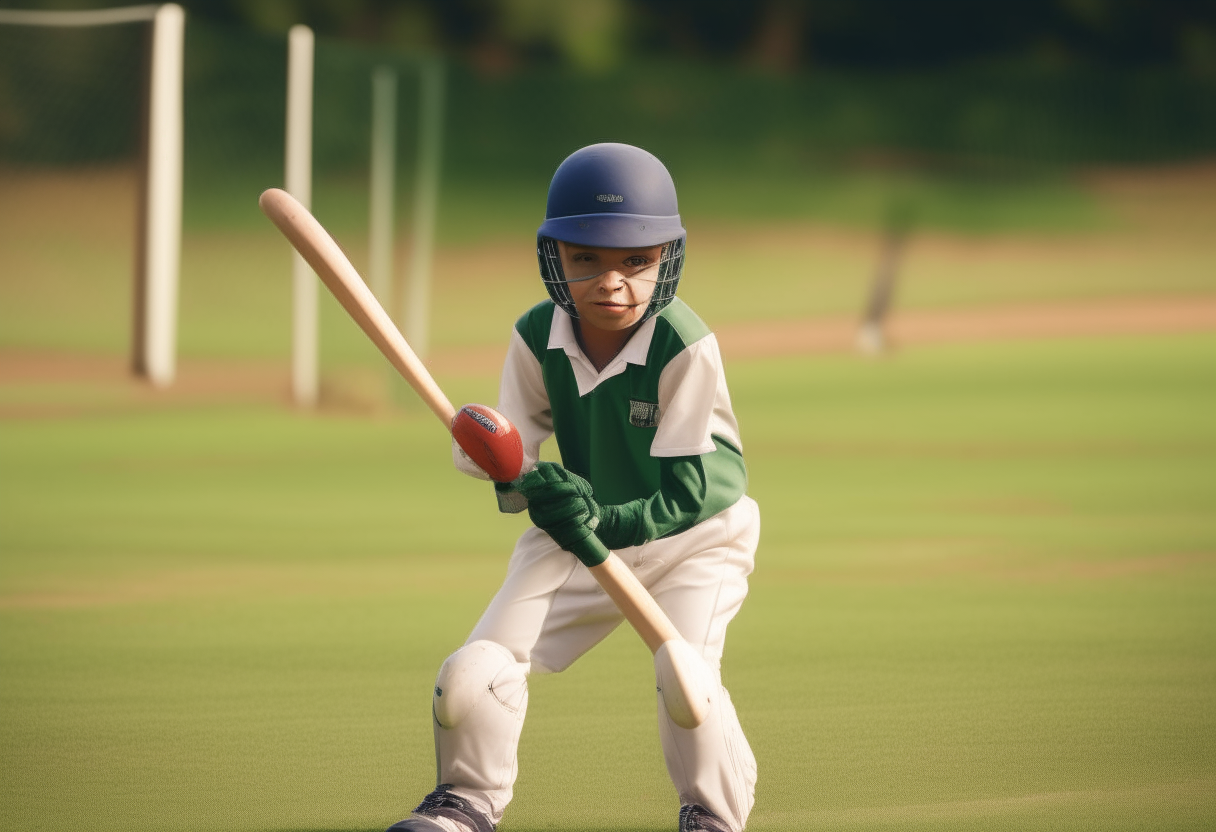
558 499
550 481
622 526
561 503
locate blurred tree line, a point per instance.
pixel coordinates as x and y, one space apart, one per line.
774 35
768 87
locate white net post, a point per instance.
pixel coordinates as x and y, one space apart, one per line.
416 300
159 226
161 256
298 183
383 181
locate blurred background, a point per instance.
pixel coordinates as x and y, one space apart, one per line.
961 261
790 118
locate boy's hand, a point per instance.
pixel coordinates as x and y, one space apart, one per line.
562 504
549 481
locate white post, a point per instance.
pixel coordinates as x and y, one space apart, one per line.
298 182
162 233
383 181
416 306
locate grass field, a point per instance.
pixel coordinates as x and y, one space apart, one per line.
983 598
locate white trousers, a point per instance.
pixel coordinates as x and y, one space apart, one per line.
550 611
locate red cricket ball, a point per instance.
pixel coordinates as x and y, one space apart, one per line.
490 440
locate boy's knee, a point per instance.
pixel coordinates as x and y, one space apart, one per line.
478 673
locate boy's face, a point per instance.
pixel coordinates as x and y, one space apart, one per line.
611 287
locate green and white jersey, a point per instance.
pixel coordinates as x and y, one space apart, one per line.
653 429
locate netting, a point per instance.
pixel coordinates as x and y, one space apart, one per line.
70 102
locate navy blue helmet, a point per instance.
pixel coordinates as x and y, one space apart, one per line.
613 196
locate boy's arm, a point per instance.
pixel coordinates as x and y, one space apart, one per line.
523 399
694 404
701 470
692 489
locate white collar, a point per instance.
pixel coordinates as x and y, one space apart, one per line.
561 337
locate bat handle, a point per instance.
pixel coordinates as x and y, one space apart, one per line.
631 598
684 681
685 684
626 591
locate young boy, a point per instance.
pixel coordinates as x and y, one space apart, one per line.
631 383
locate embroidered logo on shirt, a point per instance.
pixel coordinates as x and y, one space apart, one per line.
643 414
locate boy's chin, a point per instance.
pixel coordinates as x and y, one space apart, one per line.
612 321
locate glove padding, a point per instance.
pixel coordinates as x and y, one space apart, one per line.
562 503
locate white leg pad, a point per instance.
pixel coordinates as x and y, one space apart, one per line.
481 696
473 674
686 685
711 764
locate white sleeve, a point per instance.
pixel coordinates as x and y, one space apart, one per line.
522 398
694 404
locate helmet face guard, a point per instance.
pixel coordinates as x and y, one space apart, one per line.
671 266
612 196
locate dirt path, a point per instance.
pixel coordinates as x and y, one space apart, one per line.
912 328
106 381
943 326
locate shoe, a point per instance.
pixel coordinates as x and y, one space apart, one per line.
694 818
442 811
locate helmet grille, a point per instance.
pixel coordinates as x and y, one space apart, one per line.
671 266
553 276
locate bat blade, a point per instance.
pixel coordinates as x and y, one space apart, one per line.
684 682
